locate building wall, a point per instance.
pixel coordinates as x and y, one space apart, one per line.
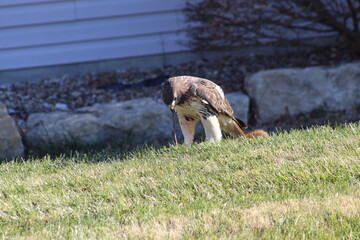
44 33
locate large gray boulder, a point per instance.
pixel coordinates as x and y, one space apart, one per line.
240 104
293 91
10 141
56 130
139 121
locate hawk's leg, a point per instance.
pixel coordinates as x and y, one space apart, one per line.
187 128
212 128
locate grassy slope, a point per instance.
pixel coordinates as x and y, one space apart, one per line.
305 184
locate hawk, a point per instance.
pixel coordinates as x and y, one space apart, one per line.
195 99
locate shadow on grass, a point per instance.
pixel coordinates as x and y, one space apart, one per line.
90 154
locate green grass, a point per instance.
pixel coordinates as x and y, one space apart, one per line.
298 185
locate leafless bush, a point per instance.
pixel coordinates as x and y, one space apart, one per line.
227 24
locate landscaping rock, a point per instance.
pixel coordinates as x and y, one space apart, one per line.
240 104
293 91
139 121
57 130
10 140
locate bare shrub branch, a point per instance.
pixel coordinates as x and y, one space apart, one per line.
227 24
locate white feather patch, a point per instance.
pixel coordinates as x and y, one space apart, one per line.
220 91
204 101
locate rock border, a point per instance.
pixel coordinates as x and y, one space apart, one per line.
274 93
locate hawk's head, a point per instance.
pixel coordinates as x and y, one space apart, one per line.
172 90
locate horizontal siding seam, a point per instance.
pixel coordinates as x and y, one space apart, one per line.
90 19
45 35
94 40
32 3
91 61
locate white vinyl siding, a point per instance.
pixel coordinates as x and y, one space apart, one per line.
38 33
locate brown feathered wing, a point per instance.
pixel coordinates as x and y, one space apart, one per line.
212 93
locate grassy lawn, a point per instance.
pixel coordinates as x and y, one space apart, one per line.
298 185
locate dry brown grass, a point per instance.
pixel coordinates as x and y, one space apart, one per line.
266 215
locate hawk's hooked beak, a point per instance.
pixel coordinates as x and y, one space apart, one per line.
172 105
